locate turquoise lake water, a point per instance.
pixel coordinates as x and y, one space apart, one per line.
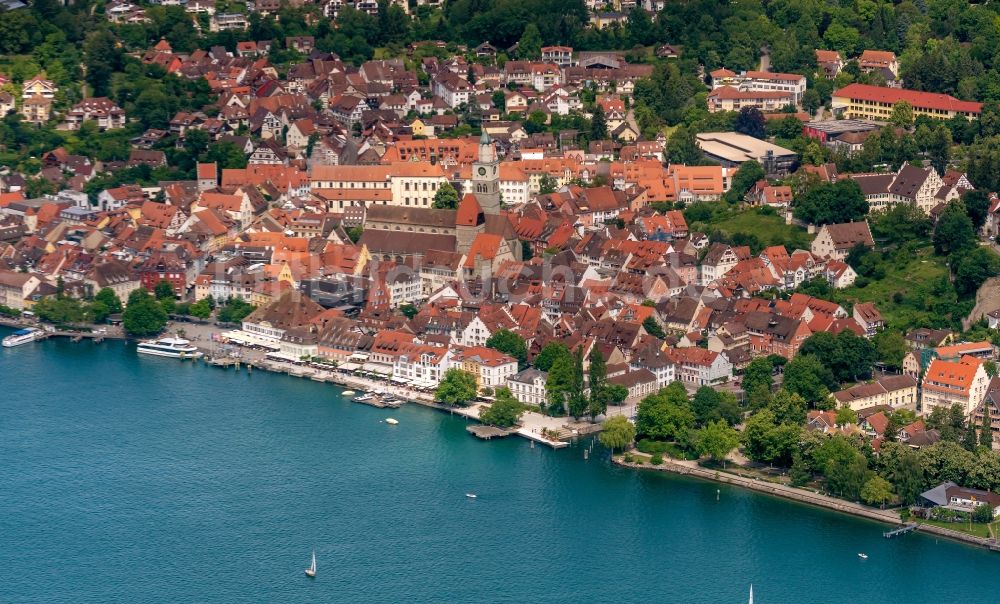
128 479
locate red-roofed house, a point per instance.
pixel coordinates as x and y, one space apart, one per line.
491 367
948 383
699 366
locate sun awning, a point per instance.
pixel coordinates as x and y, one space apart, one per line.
283 356
249 339
376 368
348 366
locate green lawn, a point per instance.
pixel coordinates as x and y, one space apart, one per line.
911 279
769 229
977 530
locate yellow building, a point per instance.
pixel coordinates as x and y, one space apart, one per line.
861 101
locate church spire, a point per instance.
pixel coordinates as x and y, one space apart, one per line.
487 151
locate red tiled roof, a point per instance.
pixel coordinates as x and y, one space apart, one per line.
921 100
468 211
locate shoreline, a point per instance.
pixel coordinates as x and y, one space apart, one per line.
805 497
471 413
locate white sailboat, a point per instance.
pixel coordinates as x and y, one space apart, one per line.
311 571
751 593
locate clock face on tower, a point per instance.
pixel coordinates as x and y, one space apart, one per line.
482 171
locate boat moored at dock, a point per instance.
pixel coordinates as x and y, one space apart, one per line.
22 336
177 348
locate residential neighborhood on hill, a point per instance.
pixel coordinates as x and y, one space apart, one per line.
690 225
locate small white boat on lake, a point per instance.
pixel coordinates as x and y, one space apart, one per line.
311 571
470 495
22 336
176 348
391 421
347 392
863 556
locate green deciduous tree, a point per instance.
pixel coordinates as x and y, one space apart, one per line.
102 58
666 415
973 268
618 433
985 431
504 412
759 374
547 184
711 405
954 231
144 316
848 356
902 114
201 309
890 348
716 440
446 197
682 147
983 513
788 408
109 298
457 387
970 439
234 311
801 472
767 441
559 385
653 328
745 178
806 376
831 203
751 122
598 374
908 477
163 290
544 360
530 45
510 343
876 491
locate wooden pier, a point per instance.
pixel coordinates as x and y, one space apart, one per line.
375 402
486 432
906 528
222 361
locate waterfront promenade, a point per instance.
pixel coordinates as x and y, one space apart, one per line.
692 468
544 429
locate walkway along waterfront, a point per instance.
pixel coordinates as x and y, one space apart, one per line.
691 468
550 431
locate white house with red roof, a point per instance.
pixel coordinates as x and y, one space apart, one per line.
946 383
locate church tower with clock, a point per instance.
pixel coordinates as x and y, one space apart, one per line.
486 176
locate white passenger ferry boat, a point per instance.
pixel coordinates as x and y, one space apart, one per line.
177 348
22 336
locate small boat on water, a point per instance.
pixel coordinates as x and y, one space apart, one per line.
364 398
176 348
751 593
863 556
22 336
470 495
347 392
391 421
311 571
